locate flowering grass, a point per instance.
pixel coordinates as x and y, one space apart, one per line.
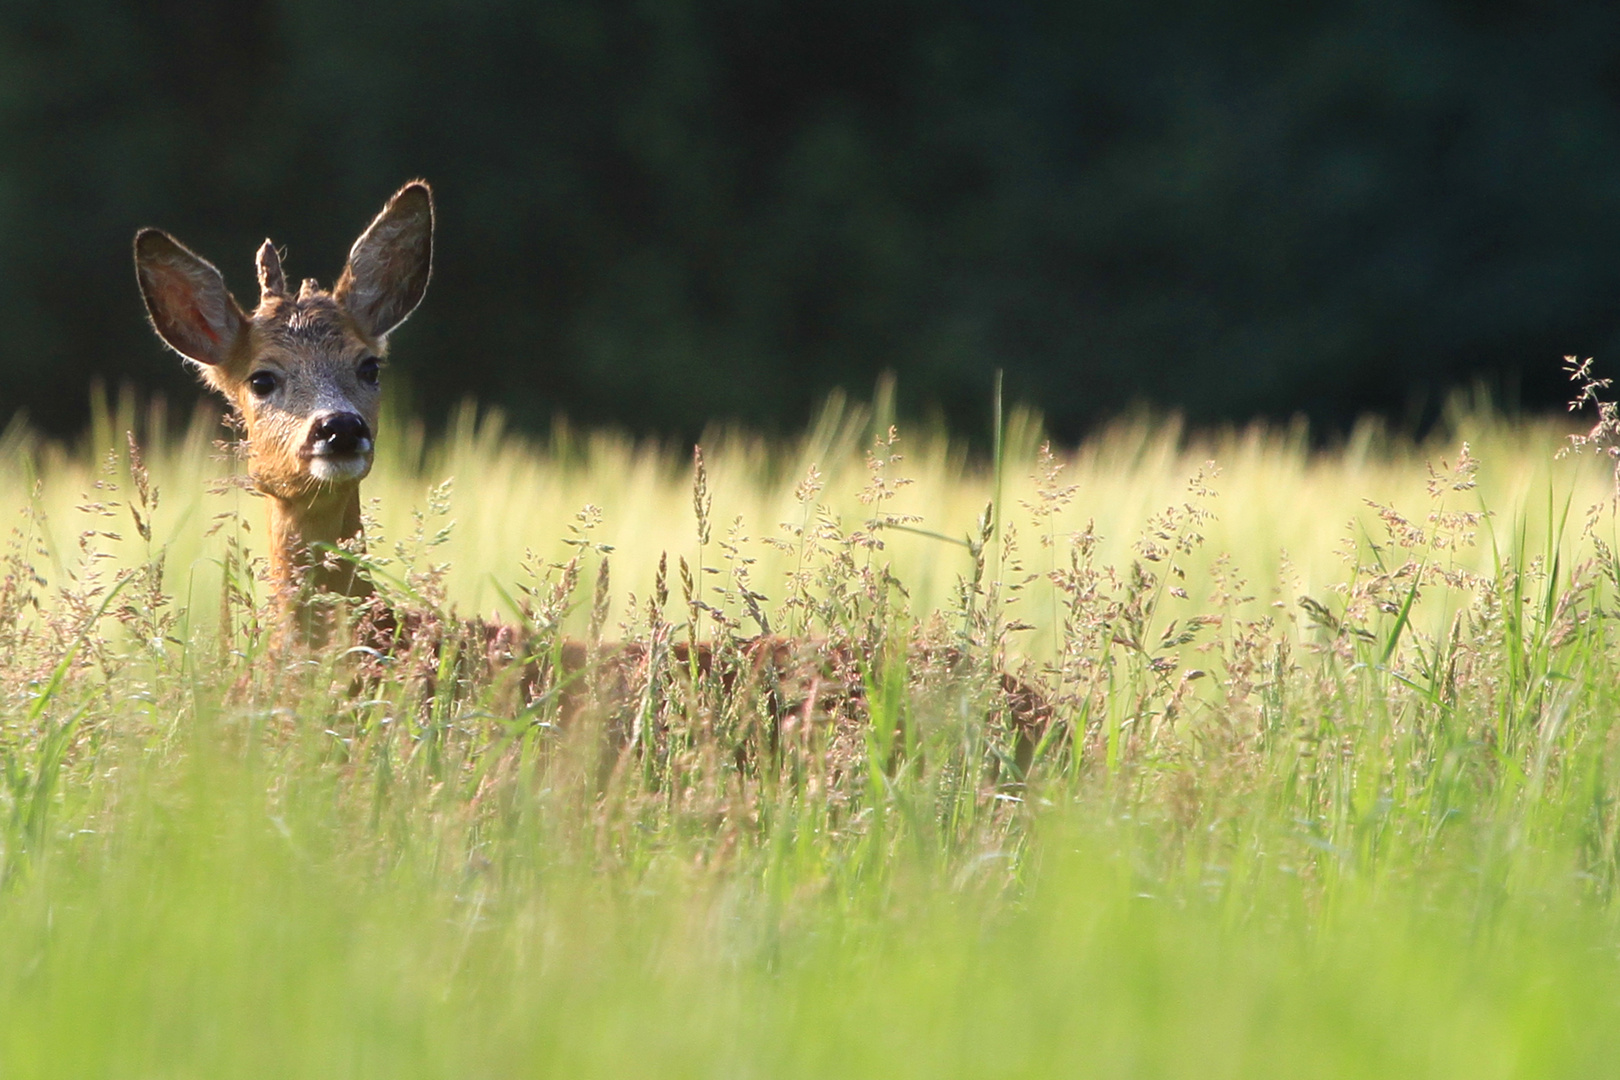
1328 789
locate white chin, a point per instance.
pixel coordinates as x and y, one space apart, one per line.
328 469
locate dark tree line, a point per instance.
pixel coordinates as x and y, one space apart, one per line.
662 212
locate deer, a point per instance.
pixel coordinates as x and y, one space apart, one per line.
302 372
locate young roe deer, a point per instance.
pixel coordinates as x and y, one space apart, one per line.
302 371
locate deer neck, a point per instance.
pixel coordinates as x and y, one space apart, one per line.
298 570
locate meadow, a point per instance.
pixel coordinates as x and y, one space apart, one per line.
1329 790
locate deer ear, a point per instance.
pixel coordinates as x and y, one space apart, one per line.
186 297
390 264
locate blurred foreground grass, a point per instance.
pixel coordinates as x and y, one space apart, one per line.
1367 833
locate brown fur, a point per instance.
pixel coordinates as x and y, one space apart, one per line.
314 344
794 685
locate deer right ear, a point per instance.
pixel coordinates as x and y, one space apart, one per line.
186 297
390 264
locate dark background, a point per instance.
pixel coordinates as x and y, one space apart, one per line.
660 213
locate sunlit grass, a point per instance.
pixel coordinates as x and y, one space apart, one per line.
1282 511
1369 835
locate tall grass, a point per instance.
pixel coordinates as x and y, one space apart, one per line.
1327 792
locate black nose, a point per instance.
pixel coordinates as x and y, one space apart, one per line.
339 433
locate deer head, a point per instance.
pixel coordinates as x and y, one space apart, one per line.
302 370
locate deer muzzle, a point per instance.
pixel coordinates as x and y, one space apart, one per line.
339 446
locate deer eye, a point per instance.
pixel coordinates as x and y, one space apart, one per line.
263 383
369 370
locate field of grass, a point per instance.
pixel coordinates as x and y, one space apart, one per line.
1330 789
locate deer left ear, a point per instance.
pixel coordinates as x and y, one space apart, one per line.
186 297
390 264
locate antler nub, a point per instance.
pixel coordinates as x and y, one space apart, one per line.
272 282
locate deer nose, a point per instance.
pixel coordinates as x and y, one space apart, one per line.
340 433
